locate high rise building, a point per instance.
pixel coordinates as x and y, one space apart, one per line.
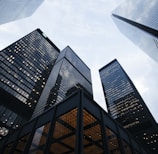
138 21
69 73
49 94
11 10
125 105
34 76
74 126
24 69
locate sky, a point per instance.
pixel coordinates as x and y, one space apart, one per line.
87 27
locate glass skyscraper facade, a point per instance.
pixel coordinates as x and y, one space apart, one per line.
34 76
138 21
47 104
11 10
125 105
24 69
69 73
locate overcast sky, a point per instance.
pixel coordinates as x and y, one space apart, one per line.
87 27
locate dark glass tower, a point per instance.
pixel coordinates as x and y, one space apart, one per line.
34 76
125 104
68 74
24 69
138 21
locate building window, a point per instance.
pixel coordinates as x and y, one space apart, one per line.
64 136
92 140
112 142
39 139
20 147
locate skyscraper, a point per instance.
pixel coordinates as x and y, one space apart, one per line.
125 105
69 73
138 21
11 10
24 69
34 76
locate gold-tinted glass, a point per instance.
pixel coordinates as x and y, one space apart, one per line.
92 140
39 140
64 136
112 142
20 147
127 148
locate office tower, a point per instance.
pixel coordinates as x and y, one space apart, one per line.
138 21
76 125
11 10
24 69
69 73
125 105
35 76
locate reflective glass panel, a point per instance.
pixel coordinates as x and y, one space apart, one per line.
14 10
78 63
39 140
69 79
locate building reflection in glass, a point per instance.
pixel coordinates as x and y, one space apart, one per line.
69 72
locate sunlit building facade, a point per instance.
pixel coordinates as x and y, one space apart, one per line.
125 105
138 21
24 69
76 125
11 10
